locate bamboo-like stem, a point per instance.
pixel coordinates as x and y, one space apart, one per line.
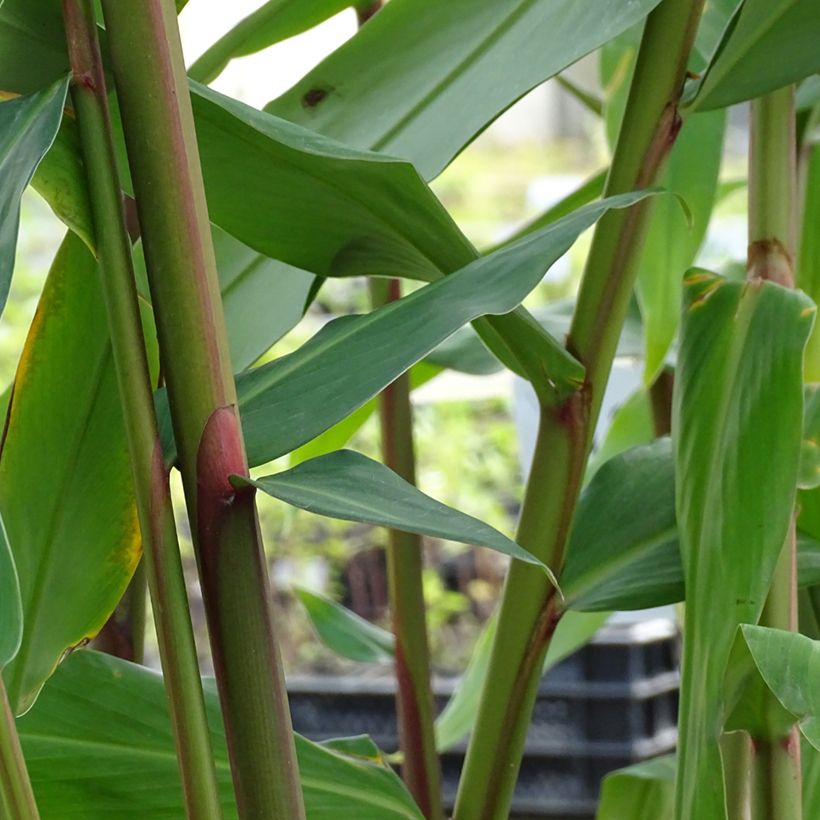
124 632
772 232
161 556
148 67
16 795
530 609
421 769
660 397
737 751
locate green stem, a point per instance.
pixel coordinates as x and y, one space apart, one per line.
736 749
161 556
16 795
529 609
160 138
772 230
421 769
124 632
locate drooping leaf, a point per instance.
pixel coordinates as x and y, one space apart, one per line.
273 21
778 34
456 720
65 484
643 791
352 487
438 82
288 402
99 745
737 428
11 609
28 126
672 241
345 632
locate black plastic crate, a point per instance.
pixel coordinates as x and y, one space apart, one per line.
611 704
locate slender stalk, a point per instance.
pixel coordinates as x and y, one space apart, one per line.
161 557
660 397
737 751
162 152
16 795
124 632
530 608
772 232
421 769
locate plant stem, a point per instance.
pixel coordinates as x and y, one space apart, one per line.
772 232
161 556
421 769
660 397
16 795
530 608
124 632
159 130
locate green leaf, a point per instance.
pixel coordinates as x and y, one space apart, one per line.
623 550
11 609
808 257
456 720
789 664
28 126
643 791
769 44
672 241
737 418
65 483
438 82
273 21
345 632
809 477
288 402
32 45
352 487
99 745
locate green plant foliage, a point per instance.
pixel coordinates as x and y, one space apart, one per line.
75 545
11 609
645 791
28 126
352 487
438 83
99 745
737 417
673 238
288 402
273 21
780 34
344 631
808 258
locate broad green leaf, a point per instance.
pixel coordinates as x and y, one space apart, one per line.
99 745
65 484
810 761
28 126
344 631
808 258
263 299
623 551
32 45
272 184
672 241
737 419
352 487
456 720
273 21
288 402
789 664
808 93
438 82
643 791
809 477
770 43
11 609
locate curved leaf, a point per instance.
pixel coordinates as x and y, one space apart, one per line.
352 487
11 609
28 126
644 791
65 483
345 632
438 68
737 429
99 745
781 35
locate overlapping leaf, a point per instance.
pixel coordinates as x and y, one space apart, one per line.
99 745
65 485
737 421
644 791
11 610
